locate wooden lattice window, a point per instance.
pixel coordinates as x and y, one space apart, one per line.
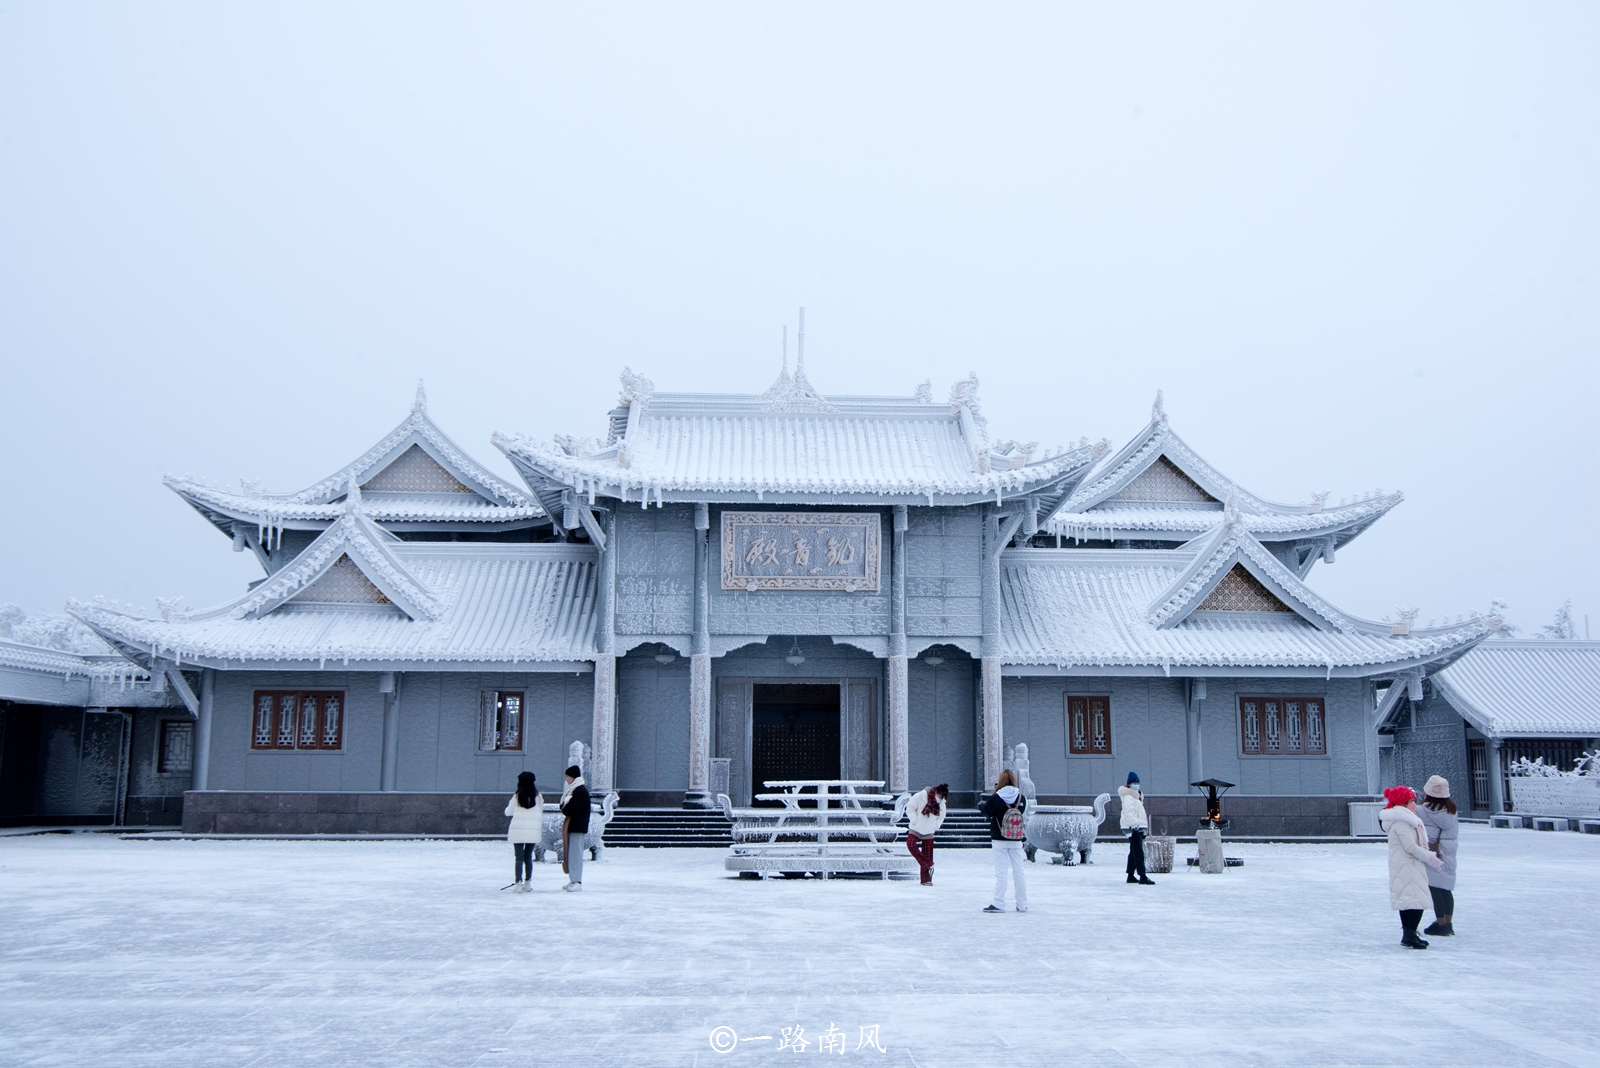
1283 726
176 750
499 720
1240 591
298 719
1089 726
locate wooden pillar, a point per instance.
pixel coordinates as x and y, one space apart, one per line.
1497 779
699 792
899 685
1197 697
202 728
600 775
389 687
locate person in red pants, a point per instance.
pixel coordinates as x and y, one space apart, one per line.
924 813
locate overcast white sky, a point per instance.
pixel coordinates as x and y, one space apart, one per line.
1356 244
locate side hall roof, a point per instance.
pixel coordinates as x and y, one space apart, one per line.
1527 688
1085 610
792 444
1157 485
415 475
437 603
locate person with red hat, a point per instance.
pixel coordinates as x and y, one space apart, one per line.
1409 861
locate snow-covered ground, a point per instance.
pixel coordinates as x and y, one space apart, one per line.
194 954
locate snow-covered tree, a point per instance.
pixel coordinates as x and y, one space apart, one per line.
1562 629
50 632
1507 629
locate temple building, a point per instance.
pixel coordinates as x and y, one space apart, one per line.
724 589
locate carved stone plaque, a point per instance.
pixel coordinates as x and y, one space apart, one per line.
801 551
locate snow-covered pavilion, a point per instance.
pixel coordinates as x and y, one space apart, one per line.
778 585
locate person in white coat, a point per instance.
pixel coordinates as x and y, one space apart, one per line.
1409 861
1136 823
526 809
1005 810
925 814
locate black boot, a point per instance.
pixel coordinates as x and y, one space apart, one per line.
1414 940
1434 928
1131 879
1145 880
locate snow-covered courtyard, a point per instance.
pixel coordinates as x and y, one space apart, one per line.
401 953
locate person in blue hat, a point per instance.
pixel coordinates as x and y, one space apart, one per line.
1137 824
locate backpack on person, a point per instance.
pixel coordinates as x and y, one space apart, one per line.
1012 828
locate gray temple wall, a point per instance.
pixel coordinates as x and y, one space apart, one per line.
63 766
438 732
655 570
1431 739
1148 736
154 796
944 559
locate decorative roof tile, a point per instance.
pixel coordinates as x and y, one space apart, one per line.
1527 688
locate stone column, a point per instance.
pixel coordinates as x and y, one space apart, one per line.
699 793
899 687
1497 780
993 722
1197 696
600 775
202 728
389 688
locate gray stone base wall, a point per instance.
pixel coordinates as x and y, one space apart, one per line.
1249 816
286 812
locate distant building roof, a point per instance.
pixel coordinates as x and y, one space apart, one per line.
1512 688
792 444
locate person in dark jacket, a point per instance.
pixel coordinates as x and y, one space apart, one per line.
1005 840
574 826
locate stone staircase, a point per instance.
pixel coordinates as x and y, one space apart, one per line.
663 827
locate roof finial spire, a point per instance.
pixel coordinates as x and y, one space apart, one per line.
1158 410
800 359
420 404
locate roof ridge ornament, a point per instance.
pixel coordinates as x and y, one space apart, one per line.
419 404
635 387
1158 411
352 501
1317 501
1230 511
794 394
924 392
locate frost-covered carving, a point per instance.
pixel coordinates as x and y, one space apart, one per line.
924 393
419 403
171 608
794 393
635 387
1158 411
1405 619
964 394
1317 501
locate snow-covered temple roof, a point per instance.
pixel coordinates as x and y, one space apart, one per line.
360 596
1222 604
414 478
793 445
76 669
1511 688
1156 488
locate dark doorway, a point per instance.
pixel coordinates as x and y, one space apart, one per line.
795 733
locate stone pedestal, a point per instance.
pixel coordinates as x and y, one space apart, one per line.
1210 843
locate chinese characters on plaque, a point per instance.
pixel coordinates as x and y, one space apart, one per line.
801 551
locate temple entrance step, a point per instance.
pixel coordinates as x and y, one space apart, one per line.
662 827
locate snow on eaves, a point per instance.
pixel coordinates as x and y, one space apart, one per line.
277 511
1214 556
1510 688
1091 608
732 445
369 545
1089 511
497 606
106 666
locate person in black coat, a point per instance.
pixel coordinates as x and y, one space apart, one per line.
574 826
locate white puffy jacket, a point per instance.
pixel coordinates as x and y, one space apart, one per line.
527 824
1133 814
916 822
1409 859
